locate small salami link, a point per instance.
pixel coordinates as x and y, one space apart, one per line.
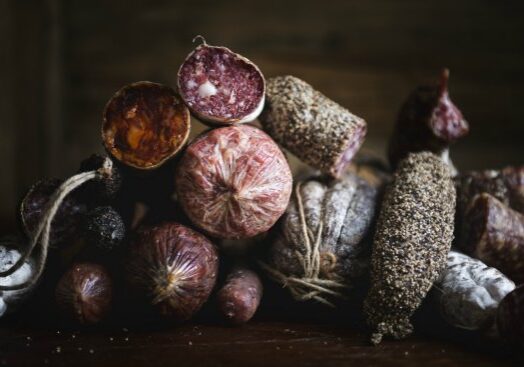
240 296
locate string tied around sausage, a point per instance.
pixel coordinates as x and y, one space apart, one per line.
312 285
42 233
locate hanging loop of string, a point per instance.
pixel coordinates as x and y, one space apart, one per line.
311 285
42 233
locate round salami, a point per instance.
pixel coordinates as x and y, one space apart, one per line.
233 182
220 86
145 124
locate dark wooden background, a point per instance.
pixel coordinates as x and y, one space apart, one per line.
62 59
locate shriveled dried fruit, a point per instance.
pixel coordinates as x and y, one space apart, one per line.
494 233
104 228
413 237
220 86
174 268
319 248
233 182
468 292
510 317
85 293
240 296
68 217
145 124
317 130
428 121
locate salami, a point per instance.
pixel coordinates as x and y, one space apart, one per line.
412 240
317 130
428 120
240 296
494 233
172 267
319 248
144 125
510 317
233 182
220 86
506 185
468 292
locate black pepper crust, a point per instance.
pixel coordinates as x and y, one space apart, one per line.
412 240
317 130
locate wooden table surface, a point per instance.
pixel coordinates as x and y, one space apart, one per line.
260 343
281 334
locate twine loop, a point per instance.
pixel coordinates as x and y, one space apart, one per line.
42 233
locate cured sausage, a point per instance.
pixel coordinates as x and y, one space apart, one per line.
233 182
220 86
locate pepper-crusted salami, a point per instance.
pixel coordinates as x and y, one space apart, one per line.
468 292
317 130
413 237
240 296
494 233
144 125
429 121
319 245
220 86
233 182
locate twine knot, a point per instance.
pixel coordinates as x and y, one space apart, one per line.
313 284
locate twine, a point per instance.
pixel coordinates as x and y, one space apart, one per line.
42 233
310 285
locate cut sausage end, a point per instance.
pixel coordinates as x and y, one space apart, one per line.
352 147
145 124
220 86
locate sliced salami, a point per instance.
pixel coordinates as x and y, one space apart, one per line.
145 124
220 86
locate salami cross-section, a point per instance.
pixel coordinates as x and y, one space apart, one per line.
220 86
234 182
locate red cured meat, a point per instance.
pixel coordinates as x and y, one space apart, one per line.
220 86
174 267
234 182
240 296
